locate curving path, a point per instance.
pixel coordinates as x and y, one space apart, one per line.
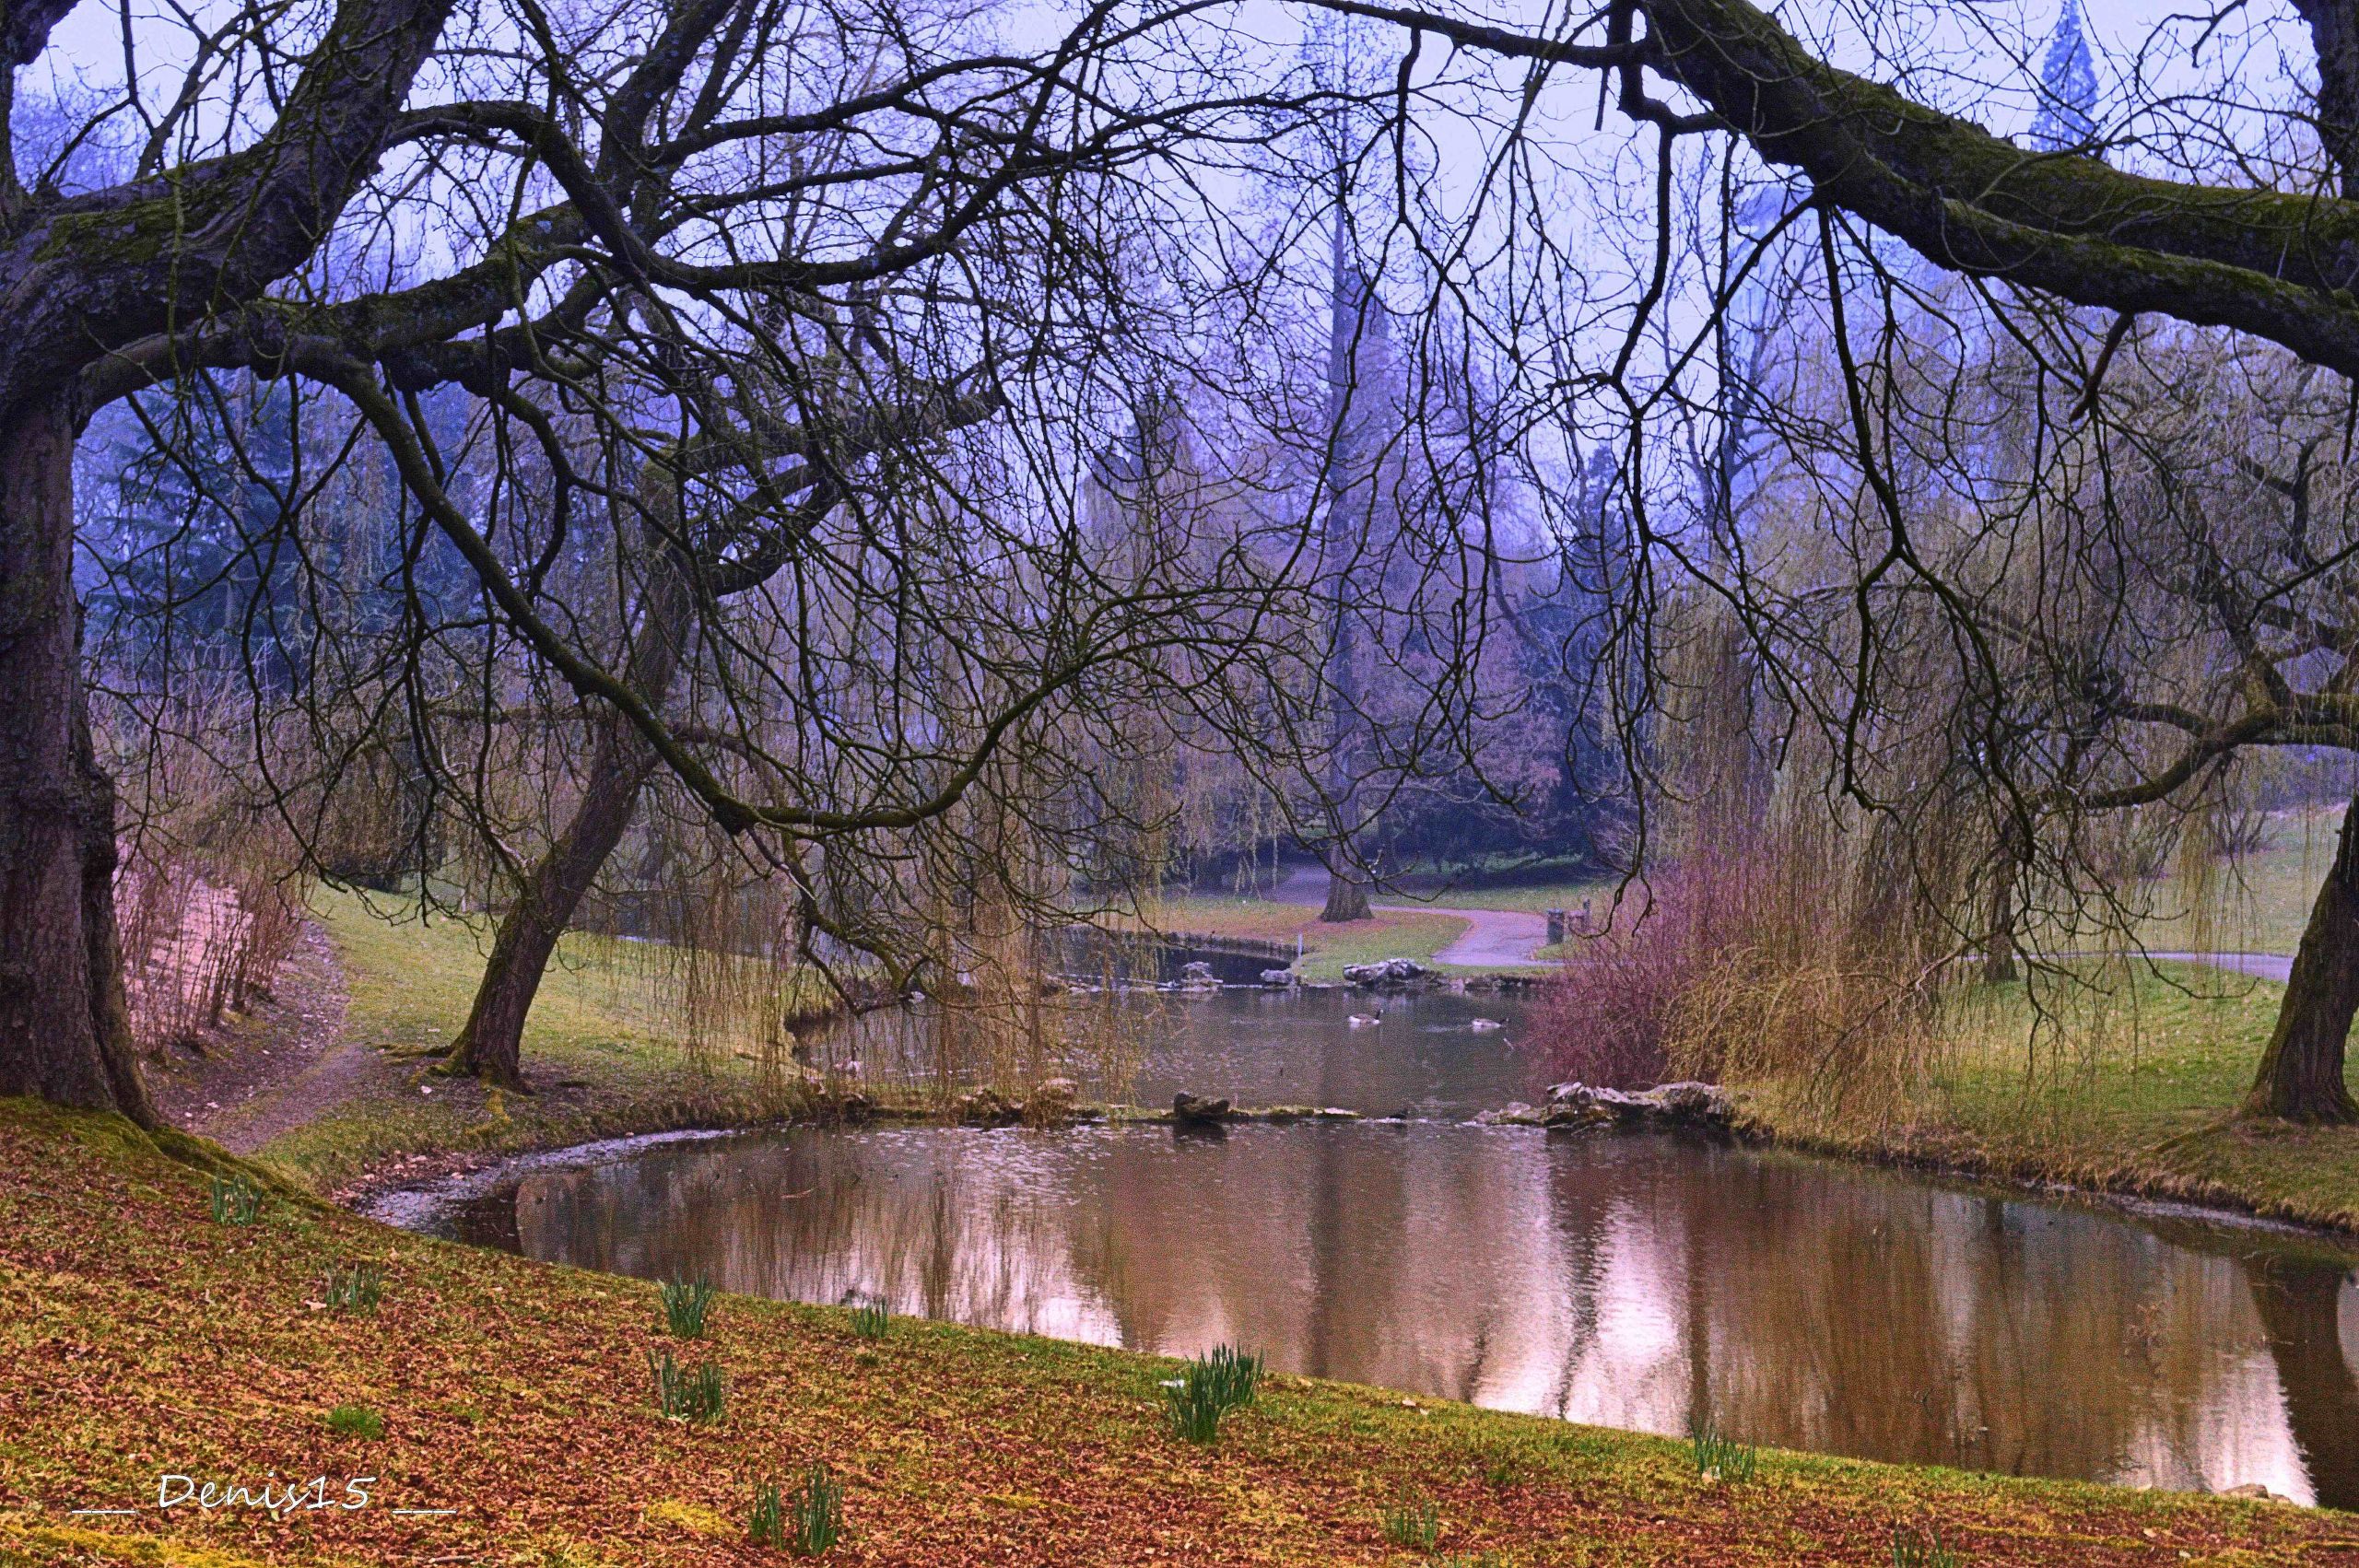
2278 966
1493 936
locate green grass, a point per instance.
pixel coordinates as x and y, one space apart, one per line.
1326 948
602 1049
356 1420
2264 899
142 1337
2139 1094
1534 899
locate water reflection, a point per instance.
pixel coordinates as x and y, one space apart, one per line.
1612 1280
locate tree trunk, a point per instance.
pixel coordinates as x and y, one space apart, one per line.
1347 899
64 1026
490 1047
2301 1074
2000 951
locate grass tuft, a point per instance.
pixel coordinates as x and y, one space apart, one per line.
686 1303
871 1318
1413 1522
1208 1388
689 1394
356 1420
357 1287
806 1521
1913 1547
235 1200
1720 1457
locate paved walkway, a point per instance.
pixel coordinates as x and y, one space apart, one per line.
1493 936
2278 966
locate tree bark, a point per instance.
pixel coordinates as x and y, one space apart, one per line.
2002 950
64 1025
2301 1073
490 1046
1347 899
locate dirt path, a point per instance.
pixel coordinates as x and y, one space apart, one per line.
277 1069
1493 936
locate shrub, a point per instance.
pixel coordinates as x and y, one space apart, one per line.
871 1318
686 1393
1605 1019
357 1288
1795 956
686 1302
1413 1522
1720 1457
1912 1548
356 1420
236 1201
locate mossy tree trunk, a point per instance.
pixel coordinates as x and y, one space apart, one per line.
65 1029
2301 1073
101 282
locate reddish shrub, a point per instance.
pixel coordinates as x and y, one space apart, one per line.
1606 1017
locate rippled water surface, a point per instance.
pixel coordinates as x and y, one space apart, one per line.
1628 1281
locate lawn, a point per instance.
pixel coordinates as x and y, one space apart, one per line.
510 1403
2263 899
2134 1091
604 1050
1326 948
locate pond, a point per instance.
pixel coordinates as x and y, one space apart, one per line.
1429 1054
1628 1281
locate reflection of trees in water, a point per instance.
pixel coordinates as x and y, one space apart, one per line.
1625 1282
2301 1307
1892 1319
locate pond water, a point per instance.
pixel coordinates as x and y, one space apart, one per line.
1629 1281
1426 1053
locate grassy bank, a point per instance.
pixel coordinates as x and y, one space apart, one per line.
2138 1096
602 1051
145 1339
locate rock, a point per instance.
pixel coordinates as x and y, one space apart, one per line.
1198 1108
1280 978
1486 1026
1051 1102
1396 971
1514 1114
987 1107
1361 1021
2254 1491
1198 973
1701 1103
1668 1105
